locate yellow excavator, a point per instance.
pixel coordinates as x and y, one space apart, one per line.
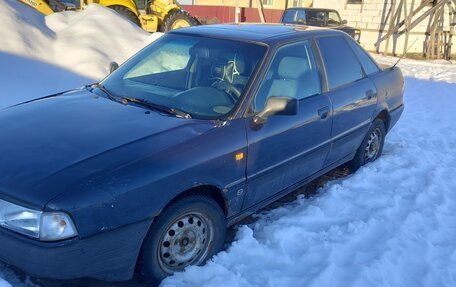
156 15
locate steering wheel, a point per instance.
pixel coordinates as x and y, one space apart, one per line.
231 90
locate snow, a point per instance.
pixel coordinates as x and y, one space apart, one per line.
392 223
44 55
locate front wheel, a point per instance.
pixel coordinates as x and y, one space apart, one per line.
188 232
177 19
126 13
372 146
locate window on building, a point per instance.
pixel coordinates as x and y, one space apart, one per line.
268 2
354 1
298 3
342 66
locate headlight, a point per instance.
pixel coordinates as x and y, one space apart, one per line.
40 225
357 35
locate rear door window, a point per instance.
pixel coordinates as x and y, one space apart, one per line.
342 66
300 17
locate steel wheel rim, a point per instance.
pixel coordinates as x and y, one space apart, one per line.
180 24
373 145
185 242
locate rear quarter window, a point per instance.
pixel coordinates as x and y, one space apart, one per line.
368 64
341 64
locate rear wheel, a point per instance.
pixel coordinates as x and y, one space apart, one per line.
177 19
372 146
188 232
126 13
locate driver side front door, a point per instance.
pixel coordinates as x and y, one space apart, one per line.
288 149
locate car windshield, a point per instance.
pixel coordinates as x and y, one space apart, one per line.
202 77
293 17
323 18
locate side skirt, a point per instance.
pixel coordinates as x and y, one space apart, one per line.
249 211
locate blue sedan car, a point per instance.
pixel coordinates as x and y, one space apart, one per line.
145 170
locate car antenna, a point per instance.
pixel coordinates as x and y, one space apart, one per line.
404 54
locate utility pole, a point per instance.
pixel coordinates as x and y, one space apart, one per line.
236 12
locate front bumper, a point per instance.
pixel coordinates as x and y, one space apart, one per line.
108 256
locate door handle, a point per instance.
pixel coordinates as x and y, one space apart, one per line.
369 94
323 112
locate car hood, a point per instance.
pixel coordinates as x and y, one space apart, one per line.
347 29
49 144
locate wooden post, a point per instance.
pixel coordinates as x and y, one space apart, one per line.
426 14
433 41
400 24
435 38
391 23
236 12
261 10
452 28
407 24
430 36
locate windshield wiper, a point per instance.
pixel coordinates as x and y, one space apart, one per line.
172 111
108 93
125 100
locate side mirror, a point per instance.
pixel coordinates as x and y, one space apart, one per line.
276 106
344 22
113 66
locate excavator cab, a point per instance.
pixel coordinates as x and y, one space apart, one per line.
63 5
52 6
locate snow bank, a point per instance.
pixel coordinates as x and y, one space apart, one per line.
43 55
434 70
392 223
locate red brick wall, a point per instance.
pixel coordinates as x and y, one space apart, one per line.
225 14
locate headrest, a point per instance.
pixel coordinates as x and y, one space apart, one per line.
239 60
228 67
293 67
200 52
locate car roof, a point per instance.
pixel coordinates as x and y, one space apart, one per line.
311 9
264 33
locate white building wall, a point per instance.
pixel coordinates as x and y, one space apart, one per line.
373 16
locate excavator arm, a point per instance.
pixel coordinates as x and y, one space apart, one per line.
130 4
40 5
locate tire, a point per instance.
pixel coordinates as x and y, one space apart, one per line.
372 146
126 13
177 19
188 232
